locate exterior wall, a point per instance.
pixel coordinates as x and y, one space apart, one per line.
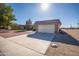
54 27
50 28
36 27
57 26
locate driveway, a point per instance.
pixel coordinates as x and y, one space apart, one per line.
10 48
38 42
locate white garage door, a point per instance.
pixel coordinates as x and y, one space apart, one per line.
46 28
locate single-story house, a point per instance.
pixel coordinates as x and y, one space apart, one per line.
18 27
48 26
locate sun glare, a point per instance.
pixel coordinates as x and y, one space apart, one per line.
44 6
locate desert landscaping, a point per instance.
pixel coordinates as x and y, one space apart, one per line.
30 31
65 47
67 43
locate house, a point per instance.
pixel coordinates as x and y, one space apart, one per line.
21 26
48 26
18 27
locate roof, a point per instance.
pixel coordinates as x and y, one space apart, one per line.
19 25
53 21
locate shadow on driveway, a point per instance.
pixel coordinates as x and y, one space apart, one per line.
42 36
65 38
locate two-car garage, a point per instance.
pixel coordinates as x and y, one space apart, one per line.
48 26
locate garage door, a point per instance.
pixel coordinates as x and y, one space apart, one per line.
46 28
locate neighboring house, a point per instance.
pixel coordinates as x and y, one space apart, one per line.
48 26
21 26
18 27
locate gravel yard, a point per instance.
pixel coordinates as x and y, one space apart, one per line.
68 44
11 33
1 54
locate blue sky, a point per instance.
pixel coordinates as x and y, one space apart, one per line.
67 13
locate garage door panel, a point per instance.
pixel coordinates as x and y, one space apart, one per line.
46 28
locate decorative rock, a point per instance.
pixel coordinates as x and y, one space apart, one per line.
54 45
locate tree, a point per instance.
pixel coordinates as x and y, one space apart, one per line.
6 16
28 25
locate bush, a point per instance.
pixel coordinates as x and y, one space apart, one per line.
19 30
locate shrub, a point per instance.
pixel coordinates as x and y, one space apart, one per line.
19 30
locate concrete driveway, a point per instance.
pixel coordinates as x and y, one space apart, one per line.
38 42
10 48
